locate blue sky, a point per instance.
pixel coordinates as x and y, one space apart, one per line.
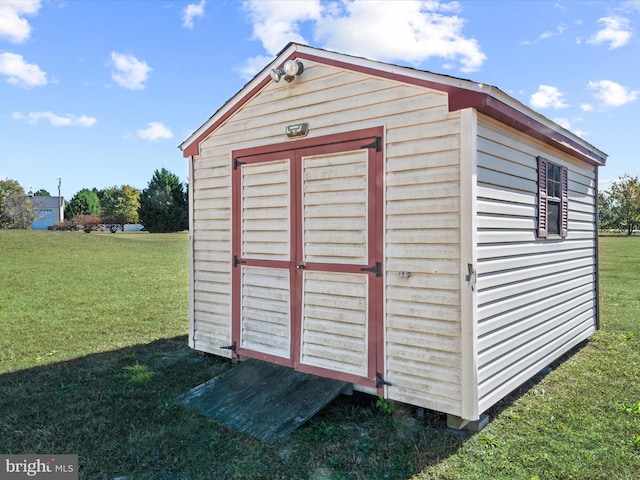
101 93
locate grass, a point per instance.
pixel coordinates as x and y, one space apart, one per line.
93 352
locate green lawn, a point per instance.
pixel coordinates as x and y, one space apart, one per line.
93 351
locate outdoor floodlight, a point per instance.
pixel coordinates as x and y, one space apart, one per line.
290 70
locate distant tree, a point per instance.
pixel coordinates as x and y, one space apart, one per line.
16 210
42 193
85 202
163 204
620 205
99 193
121 202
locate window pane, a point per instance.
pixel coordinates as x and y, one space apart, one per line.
553 218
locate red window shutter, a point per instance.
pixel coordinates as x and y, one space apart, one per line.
542 197
564 225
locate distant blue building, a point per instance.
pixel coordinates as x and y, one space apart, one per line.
48 210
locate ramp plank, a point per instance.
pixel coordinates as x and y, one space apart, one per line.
263 400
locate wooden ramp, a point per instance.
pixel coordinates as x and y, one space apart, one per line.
261 399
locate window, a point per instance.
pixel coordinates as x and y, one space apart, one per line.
553 199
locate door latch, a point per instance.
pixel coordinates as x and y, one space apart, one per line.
301 266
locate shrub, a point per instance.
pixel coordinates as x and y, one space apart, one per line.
88 223
63 226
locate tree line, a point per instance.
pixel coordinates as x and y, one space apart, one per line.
619 205
161 207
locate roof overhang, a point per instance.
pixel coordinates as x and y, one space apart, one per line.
462 94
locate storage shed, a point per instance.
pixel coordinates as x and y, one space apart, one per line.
424 237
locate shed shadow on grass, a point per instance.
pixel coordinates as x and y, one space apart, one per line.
116 410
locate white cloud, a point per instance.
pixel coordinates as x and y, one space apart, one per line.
253 65
586 107
278 22
21 73
155 131
67 120
612 94
616 32
630 6
192 11
547 97
13 25
413 31
566 123
410 30
560 29
130 73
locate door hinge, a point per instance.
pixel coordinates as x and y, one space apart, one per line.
381 382
237 163
377 144
377 269
237 261
230 347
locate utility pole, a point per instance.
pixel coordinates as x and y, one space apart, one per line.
60 214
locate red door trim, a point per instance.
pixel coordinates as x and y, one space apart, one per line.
294 151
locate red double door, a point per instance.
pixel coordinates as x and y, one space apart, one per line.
307 284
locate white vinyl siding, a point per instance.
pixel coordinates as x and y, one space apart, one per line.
211 219
335 205
334 323
266 210
266 317
536 297
423 352
422 216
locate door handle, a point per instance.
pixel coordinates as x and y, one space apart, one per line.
301 266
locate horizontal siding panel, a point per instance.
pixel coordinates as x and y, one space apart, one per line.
531 278
399 320
525 169
428 144
423 206
417 339
503 222
529 292
423 266
497 322
336 340
506 195
423 236
202 237
423 281
505 208
420 178
494 346
411 222
429 191
425 385
411 295
544 258
432 402
533 248
429 372
492 389
419 161
213 287
424 310
423 355
435 252
265 316
491 177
